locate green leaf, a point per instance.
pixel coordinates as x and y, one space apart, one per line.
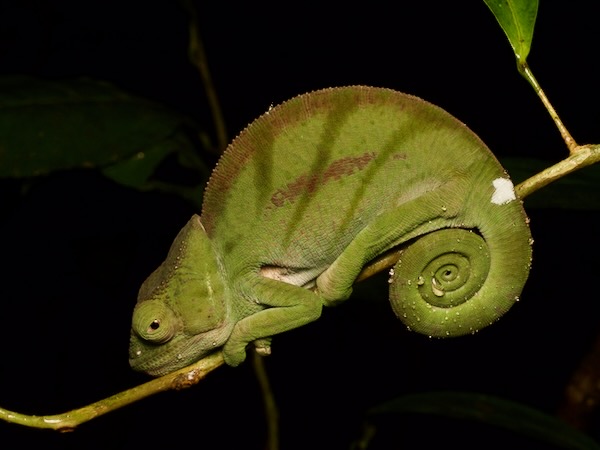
517 19
136 170
509 415
139 170
579 190
53 125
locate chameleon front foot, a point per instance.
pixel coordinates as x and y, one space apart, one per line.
234 351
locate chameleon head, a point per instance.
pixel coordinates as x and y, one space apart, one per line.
181 312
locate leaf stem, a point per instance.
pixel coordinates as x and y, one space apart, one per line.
525 71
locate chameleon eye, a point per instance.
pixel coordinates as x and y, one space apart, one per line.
154 322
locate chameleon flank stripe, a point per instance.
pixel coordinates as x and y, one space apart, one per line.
310 193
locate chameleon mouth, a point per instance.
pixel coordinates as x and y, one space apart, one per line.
157 360
182 350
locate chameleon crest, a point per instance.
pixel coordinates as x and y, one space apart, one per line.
310 193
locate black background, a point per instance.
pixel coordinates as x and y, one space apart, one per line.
76 247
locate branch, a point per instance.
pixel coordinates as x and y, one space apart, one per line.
180 379
582 156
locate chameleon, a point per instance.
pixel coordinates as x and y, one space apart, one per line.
309 194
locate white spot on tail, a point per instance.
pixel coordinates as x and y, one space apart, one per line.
504 191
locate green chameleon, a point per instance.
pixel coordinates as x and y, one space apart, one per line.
310 193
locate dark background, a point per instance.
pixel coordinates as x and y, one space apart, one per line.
76 247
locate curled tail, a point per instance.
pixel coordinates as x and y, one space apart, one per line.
457 280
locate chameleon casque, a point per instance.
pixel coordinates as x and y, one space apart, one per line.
310 193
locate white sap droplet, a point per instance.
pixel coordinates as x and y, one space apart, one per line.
420 281
179 356
138 353
504 191
531 241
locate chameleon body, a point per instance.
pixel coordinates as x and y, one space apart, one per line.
310 193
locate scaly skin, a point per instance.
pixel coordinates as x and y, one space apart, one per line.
305 197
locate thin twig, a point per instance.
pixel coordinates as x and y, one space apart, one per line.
271 411
198 58
526 72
